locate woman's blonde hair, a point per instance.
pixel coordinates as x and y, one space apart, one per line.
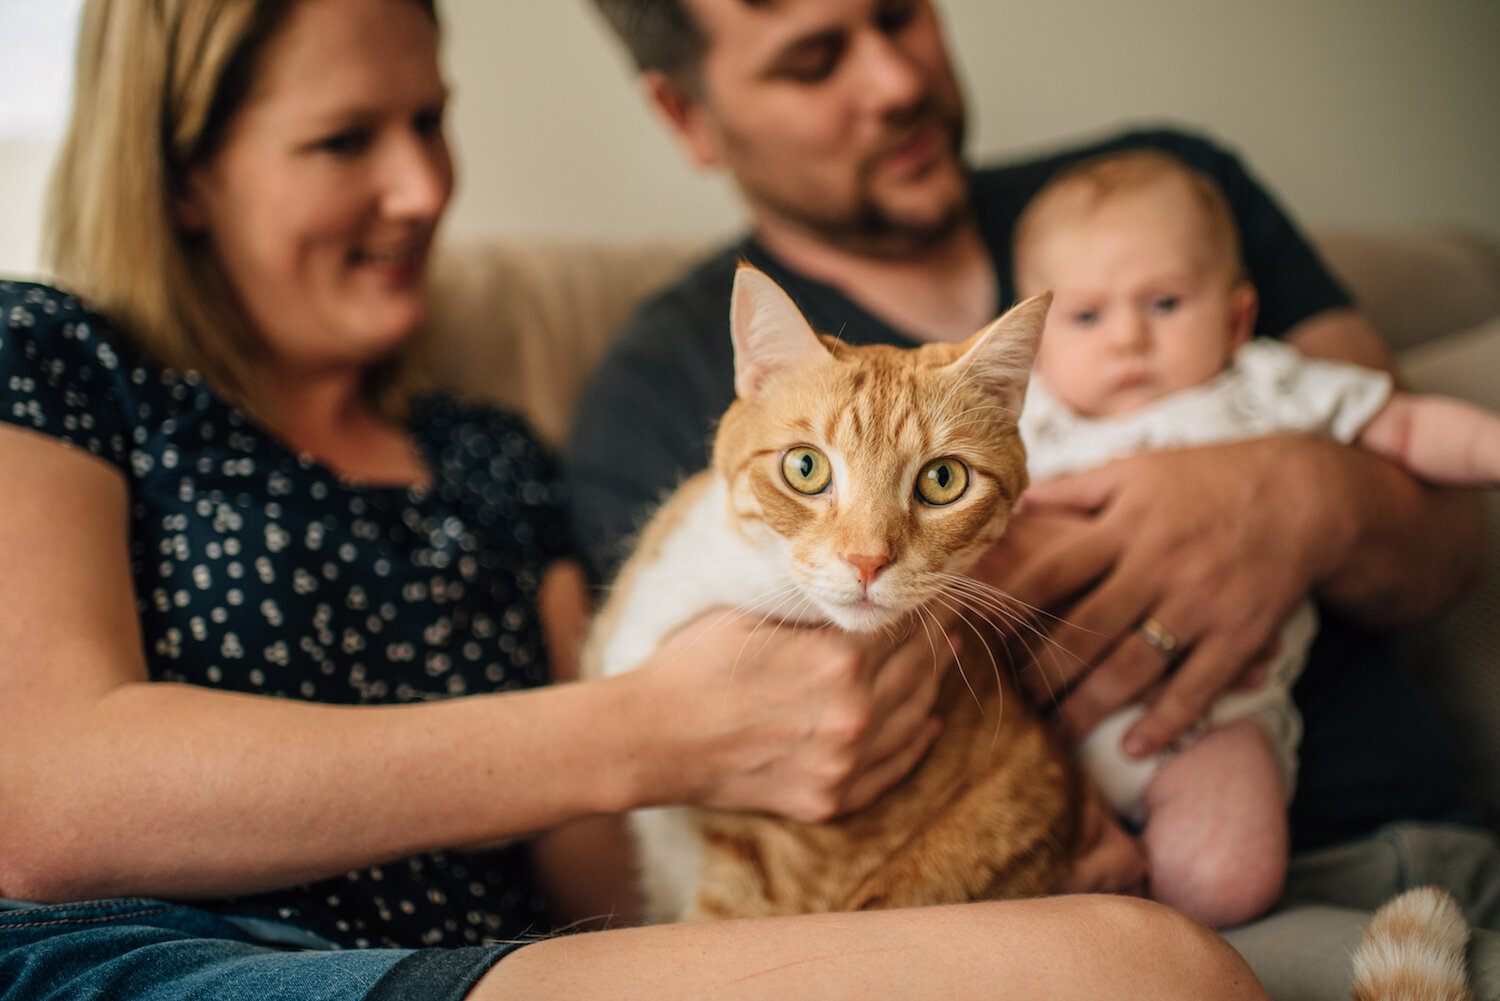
156 84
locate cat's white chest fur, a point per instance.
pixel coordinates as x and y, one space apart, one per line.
700 563
703 562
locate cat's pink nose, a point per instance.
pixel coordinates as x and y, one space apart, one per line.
869 567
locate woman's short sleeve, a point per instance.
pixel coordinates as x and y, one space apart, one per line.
60 372
495 461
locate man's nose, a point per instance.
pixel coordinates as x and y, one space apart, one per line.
889 79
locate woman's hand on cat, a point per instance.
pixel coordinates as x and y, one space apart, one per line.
802 722
1200 540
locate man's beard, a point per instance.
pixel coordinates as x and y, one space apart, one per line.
870 228
874 232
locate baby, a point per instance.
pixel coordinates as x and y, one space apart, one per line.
1148 346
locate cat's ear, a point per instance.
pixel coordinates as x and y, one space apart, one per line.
770 334
1001 355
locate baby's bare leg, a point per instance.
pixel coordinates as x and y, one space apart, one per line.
1216 833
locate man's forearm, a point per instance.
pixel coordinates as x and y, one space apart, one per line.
1403 549
1409 548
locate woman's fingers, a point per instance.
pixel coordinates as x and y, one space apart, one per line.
870 783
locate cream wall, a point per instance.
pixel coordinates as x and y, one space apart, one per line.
1379 112
1382 112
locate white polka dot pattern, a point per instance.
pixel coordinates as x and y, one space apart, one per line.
259 570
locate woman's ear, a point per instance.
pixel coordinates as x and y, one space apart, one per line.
688 116
187 204
1243 305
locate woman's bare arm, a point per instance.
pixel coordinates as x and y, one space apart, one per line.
115 785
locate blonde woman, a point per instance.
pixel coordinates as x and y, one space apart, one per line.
272 654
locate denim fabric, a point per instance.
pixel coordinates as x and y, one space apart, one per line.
136 949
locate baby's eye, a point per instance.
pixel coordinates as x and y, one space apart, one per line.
806 470
1165 304
1086 317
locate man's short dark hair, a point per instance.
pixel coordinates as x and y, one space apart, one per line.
660 35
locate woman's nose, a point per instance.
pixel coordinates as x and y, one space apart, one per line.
417 177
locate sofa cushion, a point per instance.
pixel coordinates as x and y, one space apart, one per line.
522 323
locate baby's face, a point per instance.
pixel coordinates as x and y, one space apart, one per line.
1142 306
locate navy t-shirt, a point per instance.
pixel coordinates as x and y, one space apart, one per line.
259 570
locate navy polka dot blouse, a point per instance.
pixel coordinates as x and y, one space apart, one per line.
259 570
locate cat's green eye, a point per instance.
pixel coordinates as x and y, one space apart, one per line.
807 470
942 481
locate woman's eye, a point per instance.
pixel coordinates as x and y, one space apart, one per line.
806 470
942 481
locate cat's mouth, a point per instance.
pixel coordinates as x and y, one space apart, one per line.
862 614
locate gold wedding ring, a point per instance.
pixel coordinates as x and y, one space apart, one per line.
1159 636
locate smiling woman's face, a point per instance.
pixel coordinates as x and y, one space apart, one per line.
322 201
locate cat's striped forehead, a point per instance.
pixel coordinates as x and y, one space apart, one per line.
876 400
878 413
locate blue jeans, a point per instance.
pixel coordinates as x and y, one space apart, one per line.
136 949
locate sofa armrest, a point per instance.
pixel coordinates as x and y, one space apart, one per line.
1457 659
1417 284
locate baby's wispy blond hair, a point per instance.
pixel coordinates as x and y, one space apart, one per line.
1081 189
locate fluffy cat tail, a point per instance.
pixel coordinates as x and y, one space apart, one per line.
1413 950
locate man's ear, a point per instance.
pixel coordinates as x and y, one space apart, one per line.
1243 305
685 112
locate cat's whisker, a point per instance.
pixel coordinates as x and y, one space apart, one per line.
768 634
924 613
953 425
728 613
994 666
774 598
1010 599
958 608
1023 617
1011 621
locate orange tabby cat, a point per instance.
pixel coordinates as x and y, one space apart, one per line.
853 486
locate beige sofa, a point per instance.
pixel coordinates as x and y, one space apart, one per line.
521 324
